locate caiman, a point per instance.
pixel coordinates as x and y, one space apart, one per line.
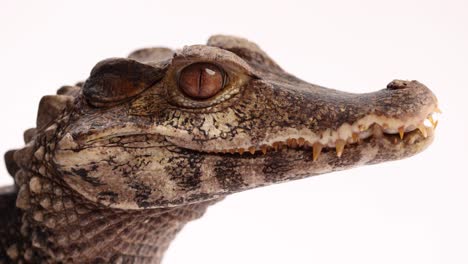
118 164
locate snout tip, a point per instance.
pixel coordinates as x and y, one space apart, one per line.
402 84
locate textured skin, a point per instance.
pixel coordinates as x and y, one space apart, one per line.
116 166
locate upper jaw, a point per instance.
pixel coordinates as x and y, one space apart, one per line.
314 117
325 118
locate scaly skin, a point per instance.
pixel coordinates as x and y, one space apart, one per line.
116 166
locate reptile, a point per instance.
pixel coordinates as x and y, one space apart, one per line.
118 164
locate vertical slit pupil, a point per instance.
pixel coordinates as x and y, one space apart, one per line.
201 80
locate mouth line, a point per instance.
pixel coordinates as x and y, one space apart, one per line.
299 144
394 131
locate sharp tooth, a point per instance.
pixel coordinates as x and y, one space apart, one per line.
264 149
276 145
339 144
436 123
252 150
423 130
401 131
433 122
431 119
300 142
316 150
241 151
356 137
430 131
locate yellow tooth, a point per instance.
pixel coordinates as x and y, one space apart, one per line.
275 146
264 149
423 130
241 150
401 131
316 150
433 123
431 119
356 137
436 123
300 142
339 144
252 150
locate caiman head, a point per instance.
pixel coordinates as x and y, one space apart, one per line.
165 128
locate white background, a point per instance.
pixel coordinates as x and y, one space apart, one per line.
410 211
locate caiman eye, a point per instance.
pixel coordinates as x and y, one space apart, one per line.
201 80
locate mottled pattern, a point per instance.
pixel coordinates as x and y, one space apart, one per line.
117 165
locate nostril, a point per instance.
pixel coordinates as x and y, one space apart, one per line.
398 84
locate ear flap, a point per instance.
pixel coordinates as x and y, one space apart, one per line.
243 48
115 80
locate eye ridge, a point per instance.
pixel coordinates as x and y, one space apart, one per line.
201 80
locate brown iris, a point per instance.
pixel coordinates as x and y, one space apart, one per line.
201 80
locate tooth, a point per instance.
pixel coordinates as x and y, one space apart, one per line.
436 123
276 145
433 122
340 144
423 130
316 149
291 142
264 149
430 131
437 110
241 151
232 151
300 142
401 131
356 137
431 119
377 131
252 150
